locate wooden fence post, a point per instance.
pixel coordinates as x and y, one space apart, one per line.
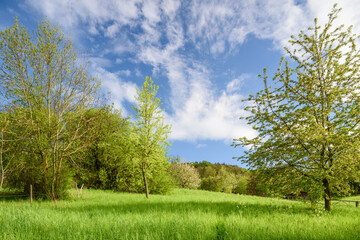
357 203
31 195
77 190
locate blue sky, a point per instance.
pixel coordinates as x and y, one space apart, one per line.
205 55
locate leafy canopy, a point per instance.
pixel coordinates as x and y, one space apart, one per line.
308 121
150 135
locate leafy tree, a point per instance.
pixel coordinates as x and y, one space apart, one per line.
150 133
129 176
308 122
111 161
44 89
226 181
256 185
242 184
109 136
186 175
8 147
221 177
219 180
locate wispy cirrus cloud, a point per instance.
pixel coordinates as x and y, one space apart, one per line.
226 24
121 91
69 13
168 35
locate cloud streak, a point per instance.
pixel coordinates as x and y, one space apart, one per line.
168 35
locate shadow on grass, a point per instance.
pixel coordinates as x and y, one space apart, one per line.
13 197
218 208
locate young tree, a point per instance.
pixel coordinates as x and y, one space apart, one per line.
308 123
150 132
186 175
45 89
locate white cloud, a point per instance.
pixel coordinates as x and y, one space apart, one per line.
138 73
200 145
199 111
100 62
120 47
207 17
220 22
236 84
170 7
121 91
126 72
151 11
207 116
218 47
348 16
210 23
93 13
112 30
238 35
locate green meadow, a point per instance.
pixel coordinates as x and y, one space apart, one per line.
184 214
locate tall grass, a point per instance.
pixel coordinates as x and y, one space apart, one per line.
185 214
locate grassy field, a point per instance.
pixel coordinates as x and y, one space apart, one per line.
185 214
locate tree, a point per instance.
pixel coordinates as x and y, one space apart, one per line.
308 122
109 136
8 147
226 181
242 185
150 132
44 89
186 175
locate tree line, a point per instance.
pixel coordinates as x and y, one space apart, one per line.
214 177
56 129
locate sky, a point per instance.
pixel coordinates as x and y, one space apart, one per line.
205 56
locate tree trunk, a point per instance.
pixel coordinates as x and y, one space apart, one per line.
2 180
146 185
327 194
44 183
2 164
53 180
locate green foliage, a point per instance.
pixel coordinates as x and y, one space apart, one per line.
129 177
186 175
221 177
9 147
159 177
221 181
119 157
242 185
110 147
51 127
43 91
308 122
150 138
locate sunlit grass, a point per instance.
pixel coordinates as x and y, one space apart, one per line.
185 214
